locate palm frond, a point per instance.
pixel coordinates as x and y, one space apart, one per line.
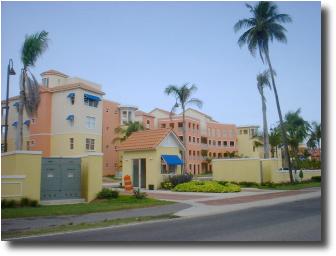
32 95
33 47
195 101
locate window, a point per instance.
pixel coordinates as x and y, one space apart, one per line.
90 122
180 124
214 142
45 82
245 131
241 132
198 140
171 125
89 144
181 138
189 125
231 143
197 127
219 143
193 153
163 125
189 152
193 126
190 166
209 142
189 138
194 139
28 145
147 124
214 155
90 102
71 140
225 143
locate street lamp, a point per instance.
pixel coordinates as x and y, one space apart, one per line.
10 72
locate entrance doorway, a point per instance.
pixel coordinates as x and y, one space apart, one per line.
139 172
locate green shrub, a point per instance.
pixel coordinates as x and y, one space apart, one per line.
206 186
248 184
33 203
301 174
182 178
24 202
166 185
5 203
138 194
316 178
269 184
308 164
106 193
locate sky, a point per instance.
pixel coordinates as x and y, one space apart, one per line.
136 49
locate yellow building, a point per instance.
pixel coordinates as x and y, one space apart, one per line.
150 156
248 144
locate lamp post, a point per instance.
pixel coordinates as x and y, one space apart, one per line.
10 72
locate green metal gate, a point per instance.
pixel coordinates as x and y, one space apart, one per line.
60 178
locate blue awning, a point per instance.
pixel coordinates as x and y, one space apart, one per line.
70 117
172 159
15 123
27 122
91 97
71 95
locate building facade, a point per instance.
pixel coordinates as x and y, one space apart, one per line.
68 120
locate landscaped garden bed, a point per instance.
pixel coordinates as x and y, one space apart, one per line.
206 186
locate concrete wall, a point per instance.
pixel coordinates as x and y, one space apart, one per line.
153 164
242 169
255 170
91 175
21 175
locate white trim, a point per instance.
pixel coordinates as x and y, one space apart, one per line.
13 176
176 138
13 182
22 152
269 159
78 156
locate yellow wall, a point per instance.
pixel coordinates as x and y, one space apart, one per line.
244 169
153 164
91 176
60 144
283 176
21 174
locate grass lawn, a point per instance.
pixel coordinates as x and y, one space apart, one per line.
82 226
121 203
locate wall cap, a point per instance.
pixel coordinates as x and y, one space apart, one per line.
13 176
22 152
269 159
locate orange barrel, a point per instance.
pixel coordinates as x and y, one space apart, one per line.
128 183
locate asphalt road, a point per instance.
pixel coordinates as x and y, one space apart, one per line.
294 221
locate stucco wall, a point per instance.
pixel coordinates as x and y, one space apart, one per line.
91 175
244 169
153 164
21 175
283 176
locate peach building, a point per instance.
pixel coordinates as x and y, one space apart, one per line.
205 137
68 121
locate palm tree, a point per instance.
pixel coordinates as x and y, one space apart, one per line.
297 131
263 26
316 133
274 140
126 130
263 82
33 47
183 98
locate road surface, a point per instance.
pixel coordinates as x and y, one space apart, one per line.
294 221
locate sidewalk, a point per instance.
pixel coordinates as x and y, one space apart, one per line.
188 204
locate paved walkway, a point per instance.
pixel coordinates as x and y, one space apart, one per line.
188 204
50 221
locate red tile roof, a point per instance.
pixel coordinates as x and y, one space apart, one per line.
144 140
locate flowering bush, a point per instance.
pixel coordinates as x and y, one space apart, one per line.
206 186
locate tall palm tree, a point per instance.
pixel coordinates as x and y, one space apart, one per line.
263 82
183 98
33 47
263 26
